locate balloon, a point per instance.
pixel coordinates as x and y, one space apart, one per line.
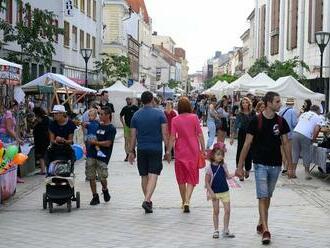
2 150
11 151
78 151
19 159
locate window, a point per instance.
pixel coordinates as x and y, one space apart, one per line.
75 3
275 27
82 6
81 39
54 69
56 25
66 34
262 31
292 30
89 8
315 18
93 47
94 10
9 11
34 71
74 38
19 14
88 40
41 70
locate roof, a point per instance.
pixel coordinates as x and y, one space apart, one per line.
167 55
138 6
251 16
245 34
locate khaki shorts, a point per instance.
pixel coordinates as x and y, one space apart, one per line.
224 197
94 166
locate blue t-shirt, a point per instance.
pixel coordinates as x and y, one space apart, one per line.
147 122
92 127
219 183
103 133
62 130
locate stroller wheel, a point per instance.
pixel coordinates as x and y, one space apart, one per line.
69 205
78 199
44 201
50 205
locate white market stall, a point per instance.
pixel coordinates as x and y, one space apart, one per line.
138 89
290 87
235 85
217 89
261 81
58 83
117 96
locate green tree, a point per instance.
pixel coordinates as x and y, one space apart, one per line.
36 35
113 68
173 84
260 65
225 77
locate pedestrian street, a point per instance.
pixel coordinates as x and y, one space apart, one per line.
299 213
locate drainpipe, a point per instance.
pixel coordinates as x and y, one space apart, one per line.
256 30
301 34
282 30
326 25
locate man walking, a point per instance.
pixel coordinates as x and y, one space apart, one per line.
265 134
126 115
305 132
105 102
105 136
148 129
291 117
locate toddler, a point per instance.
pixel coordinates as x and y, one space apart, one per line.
217 188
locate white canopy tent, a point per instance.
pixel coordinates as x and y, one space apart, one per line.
261 81
290 87
235 85
117 96
138 89
217 89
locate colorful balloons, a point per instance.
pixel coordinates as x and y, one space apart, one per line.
78 151
19 159
11 151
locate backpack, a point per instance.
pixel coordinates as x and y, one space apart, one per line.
279 121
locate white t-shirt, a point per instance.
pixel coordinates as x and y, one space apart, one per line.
307 122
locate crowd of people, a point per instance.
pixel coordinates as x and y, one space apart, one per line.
267 134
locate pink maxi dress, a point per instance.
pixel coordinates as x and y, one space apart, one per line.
186 129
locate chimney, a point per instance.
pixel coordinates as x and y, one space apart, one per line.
154 33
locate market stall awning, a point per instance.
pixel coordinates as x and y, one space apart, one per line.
10 72
49 79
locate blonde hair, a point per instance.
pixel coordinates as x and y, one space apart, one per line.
241 104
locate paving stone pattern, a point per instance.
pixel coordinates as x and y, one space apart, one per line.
299 215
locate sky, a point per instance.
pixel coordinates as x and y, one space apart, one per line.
201 27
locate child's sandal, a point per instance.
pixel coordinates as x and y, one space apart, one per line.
216 234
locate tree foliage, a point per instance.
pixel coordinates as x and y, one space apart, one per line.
173 84
278 69
113 68
35 34
225 77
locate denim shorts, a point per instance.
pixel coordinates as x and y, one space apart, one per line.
266 178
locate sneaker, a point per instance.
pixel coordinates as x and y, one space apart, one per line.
106 195
186 208
266 238
284 172
100 154
95 200
227 234
215 235
260 230
147 206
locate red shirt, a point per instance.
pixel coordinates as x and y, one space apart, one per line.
169 117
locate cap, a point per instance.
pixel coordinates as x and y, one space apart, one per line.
289 101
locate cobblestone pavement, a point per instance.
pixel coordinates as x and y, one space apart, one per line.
299 216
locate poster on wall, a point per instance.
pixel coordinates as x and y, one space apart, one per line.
11 75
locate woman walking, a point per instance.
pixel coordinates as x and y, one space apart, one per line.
170 114
187 135
245 115
223 129
212 117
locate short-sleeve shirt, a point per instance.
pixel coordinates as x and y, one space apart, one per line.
307 122
128 112
266 145
109 105
62 130
148 122
219 178
103 133
92 127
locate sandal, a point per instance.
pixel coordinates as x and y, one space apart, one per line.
216 234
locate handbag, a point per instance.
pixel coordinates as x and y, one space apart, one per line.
201 160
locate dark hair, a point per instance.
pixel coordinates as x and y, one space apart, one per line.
184 106
146 97
13 103
106 110
103 92
39 112
315 108
308 105
269 97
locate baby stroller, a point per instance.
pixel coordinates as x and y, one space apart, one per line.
60 178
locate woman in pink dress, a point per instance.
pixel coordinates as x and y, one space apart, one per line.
170 114
187 135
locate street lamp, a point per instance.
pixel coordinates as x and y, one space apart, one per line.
86 54
322 40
